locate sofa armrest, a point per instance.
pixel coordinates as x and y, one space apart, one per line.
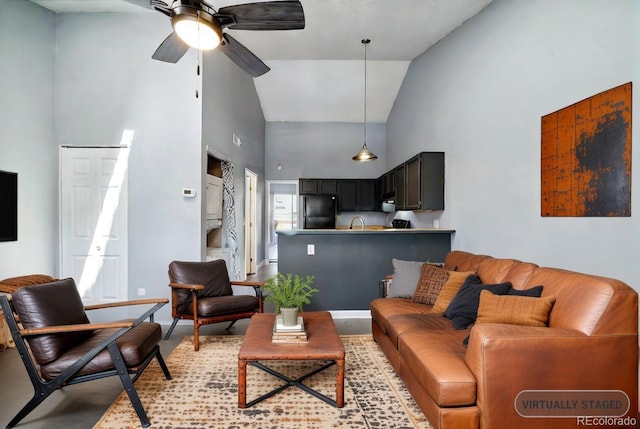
508 359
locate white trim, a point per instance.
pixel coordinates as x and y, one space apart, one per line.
350 314
336 314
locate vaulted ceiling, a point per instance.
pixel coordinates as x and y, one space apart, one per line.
317 74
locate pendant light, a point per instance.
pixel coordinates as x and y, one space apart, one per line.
365 154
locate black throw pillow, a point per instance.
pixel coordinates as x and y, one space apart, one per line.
535 292
463 309
465 341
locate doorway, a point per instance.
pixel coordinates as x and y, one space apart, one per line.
250 216
93 221
282 209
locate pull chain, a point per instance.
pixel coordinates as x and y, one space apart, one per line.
198 56
198 59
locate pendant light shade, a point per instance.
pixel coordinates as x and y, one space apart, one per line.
365 154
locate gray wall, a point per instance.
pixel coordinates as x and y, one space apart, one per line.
231 105
106 82
322 150
82 79
27 143
479 95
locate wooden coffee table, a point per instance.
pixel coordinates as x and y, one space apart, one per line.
323 344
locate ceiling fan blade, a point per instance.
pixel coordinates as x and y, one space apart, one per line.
272 15
161 6
171 49
242 56
142 3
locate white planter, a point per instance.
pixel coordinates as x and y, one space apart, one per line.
289 316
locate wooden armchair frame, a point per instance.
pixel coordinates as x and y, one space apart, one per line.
178 311
128 375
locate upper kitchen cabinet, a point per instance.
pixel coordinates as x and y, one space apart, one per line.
399 180
357 195
412 195
419 182
387 185
317 187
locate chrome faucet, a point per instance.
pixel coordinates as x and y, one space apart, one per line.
357 218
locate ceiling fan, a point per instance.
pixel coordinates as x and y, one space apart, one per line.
197 24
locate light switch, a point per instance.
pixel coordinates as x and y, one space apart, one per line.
311 249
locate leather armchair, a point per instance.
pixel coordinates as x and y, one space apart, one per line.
202 292
59 346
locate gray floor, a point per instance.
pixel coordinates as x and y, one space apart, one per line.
81 406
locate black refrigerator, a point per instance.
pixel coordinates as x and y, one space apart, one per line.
319 212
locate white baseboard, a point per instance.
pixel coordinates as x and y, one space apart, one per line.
350 314
336 314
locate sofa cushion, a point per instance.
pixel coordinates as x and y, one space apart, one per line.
494 270
436 360
459 260
406 275
400 324
591 304
515 310
463 309
383 308
449 290
519 273
135 345
432 279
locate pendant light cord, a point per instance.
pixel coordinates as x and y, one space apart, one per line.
365 42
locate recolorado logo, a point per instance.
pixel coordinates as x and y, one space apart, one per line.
572 403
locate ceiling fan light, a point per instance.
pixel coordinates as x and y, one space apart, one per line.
197 29
364 155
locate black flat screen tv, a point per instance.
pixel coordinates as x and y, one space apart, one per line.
8 206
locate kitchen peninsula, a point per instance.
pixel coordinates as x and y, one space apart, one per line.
348 264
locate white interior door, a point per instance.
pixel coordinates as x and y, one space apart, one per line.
93 221
250 233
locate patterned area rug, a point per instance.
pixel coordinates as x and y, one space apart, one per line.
203 392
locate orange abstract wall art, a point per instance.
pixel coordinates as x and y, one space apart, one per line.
586 157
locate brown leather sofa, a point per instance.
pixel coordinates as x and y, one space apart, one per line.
590 344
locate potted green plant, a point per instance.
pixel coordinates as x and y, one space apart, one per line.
289 292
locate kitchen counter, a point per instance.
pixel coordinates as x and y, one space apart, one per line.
367 230
348 264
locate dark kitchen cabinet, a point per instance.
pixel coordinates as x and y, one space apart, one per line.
327 186
432 181
308 186
317 187
412 189
387 185
356 195
366 195
399 178
419 182
347 196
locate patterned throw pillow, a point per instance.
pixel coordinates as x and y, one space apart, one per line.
449 290
513 309
432 279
